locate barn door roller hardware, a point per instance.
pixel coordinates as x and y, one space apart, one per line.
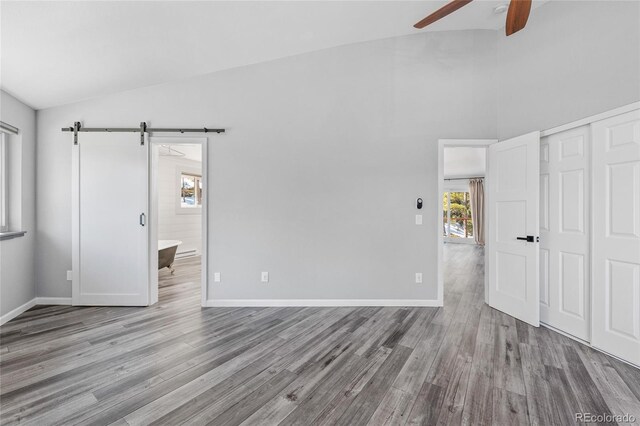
143 128
77 128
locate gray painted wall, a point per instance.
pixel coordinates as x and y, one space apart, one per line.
573 60
316 179
17 268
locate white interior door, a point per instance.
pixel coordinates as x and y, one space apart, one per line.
110 201
616 236
513 217
565 272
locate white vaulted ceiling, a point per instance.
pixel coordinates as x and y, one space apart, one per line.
56 52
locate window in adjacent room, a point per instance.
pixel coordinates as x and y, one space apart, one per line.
190 190
4 177
456 215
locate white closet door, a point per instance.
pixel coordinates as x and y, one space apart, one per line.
110 239
564 232
512 207
616 236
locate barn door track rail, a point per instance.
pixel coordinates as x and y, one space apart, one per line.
77 128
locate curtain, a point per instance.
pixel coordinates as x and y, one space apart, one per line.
476 193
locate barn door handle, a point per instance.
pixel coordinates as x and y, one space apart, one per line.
143 219
528 238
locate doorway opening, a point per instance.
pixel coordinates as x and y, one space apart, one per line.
178 225
462 166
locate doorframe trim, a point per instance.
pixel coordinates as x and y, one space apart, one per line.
154 143
442 143
75 224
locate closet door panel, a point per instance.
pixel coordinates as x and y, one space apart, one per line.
545 228
544 201
571 200
544 280
623 280
564 234
572 284
616 244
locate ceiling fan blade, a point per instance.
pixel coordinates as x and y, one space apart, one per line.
442 12
517 15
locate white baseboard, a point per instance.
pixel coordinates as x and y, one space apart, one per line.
53 300
188 253
17 311
33 302
320 302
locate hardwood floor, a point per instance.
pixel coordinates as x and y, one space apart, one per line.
177 363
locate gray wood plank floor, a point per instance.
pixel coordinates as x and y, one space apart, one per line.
178 363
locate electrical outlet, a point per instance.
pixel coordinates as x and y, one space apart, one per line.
418 219
264 277
418 277
69 275
216 277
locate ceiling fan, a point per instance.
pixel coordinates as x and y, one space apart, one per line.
516 16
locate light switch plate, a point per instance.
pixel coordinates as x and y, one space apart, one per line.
418 219
216 277
69 275
264 277
419 277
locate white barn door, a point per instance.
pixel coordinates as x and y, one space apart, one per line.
616 236
513 226
109 215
